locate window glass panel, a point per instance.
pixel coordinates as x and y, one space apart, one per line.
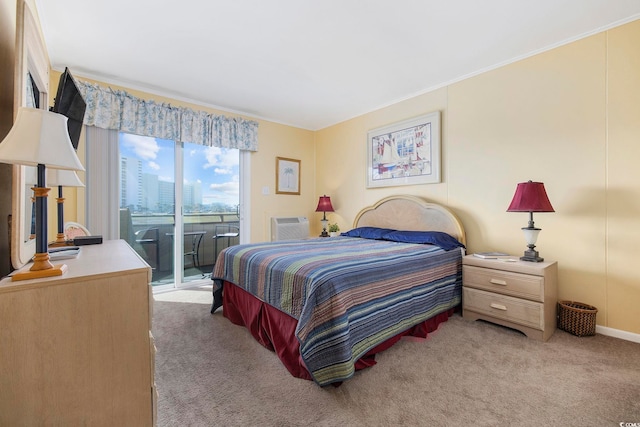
147 200
208 197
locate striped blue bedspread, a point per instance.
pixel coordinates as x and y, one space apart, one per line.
348 294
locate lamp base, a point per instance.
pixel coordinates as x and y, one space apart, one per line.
531 255
58 243
57 270
324 222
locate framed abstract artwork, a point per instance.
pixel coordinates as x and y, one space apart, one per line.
287 176
404 153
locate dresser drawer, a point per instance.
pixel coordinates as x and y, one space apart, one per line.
516 310
504 282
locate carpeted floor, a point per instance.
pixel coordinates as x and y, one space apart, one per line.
210 372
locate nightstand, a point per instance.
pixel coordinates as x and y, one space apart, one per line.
520 295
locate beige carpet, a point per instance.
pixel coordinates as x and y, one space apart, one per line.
210 372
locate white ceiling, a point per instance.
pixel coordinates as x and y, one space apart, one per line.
306 63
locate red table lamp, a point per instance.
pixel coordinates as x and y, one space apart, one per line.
324 206
530 197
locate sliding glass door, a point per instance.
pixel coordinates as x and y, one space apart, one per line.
176 197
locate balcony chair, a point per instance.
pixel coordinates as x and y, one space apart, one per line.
149 237
140 239
196 241
224 231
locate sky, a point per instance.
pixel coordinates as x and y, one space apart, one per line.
216 168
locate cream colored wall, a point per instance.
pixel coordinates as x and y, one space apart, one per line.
280 141
341 152
567 117
543 118
622 287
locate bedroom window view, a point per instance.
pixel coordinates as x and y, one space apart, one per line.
208 201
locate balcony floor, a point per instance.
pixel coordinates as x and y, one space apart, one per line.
190 274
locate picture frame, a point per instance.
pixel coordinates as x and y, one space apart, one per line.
405 153
287 176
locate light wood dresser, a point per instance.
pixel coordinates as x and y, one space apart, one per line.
521 295
77 349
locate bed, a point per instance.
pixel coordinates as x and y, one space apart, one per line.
326 306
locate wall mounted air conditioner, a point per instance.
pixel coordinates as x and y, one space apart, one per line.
289 228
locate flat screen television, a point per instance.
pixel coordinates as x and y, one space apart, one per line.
70 103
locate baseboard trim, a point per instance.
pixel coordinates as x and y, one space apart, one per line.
617 333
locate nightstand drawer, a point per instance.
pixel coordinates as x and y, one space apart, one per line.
516 310
504 282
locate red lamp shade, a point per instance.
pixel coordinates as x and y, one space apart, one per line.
530 197
324 204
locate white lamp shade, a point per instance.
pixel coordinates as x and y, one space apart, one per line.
63 178
30 176
39 137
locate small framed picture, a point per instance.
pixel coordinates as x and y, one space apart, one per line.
287 176
405 153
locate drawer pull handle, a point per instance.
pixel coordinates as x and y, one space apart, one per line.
498 306
498 282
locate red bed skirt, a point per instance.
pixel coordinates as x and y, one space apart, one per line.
275 329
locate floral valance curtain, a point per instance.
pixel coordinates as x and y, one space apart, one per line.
115 109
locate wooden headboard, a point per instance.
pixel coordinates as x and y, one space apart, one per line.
410 213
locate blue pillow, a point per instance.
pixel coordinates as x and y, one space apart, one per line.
367 232
437 238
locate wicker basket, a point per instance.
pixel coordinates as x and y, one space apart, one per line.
577 318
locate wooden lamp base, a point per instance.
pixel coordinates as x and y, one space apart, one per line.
60 241
41 268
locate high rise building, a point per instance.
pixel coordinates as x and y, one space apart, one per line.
150 193
145 192
131 183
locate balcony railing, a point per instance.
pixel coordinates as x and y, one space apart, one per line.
153 240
